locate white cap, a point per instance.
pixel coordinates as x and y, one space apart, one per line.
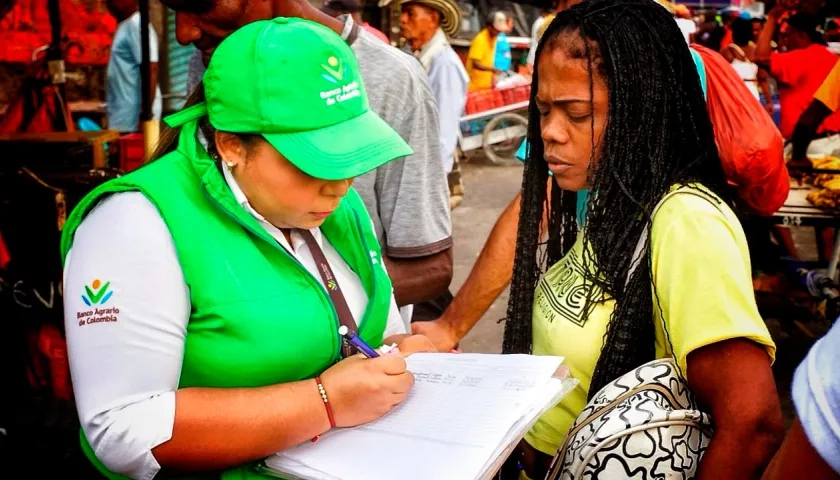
500 21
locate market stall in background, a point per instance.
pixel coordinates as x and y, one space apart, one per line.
56 147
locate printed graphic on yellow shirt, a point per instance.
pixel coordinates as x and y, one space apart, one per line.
562 294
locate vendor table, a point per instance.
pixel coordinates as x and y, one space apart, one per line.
515 126
799 212
32 148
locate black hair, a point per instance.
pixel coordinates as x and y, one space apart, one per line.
742 31
190 6
168 139
658 134
807 24
249 140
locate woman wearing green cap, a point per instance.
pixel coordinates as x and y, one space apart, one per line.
204 291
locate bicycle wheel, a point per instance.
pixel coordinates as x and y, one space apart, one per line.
502 137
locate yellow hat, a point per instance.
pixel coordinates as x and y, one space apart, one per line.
544 25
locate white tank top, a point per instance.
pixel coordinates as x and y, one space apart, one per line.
747 70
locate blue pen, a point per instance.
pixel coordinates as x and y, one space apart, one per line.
357 342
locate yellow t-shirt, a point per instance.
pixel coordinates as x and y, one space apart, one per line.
701 267
482 50
829 91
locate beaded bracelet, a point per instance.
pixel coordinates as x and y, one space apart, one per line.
327 406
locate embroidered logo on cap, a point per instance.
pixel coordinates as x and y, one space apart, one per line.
334 69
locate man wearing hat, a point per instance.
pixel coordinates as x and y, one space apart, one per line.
800 69
481 58
427 26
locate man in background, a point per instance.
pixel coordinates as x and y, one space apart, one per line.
545 16
427 26
336 8
800 69
832 32
123 85
504 58
482 55
757 25
806 136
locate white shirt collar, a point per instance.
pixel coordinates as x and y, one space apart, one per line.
241 199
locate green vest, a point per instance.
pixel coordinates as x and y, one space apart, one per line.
258 316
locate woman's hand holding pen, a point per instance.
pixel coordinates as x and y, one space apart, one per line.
361 390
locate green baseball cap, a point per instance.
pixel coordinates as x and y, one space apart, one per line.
298 84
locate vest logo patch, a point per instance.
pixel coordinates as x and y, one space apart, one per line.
97 294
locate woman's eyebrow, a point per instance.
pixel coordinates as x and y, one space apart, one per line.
561 101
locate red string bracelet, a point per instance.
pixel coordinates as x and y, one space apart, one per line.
327 406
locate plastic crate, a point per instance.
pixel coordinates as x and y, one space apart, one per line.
471 106
498 100
132 151
522 94
483 100
508 95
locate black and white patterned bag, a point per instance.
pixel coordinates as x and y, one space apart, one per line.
645 425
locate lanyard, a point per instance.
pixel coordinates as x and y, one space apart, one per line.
345 317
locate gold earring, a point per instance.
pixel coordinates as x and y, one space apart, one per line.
230 166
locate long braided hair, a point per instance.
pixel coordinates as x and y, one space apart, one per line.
658 134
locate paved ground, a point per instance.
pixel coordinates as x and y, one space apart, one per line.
489 188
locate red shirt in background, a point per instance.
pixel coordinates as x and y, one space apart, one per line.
799 74
5 258
376 33
727 37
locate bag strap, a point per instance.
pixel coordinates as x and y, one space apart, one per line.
641 247
638 253
739 51
345 316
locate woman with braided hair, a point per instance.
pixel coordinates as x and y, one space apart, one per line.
618 110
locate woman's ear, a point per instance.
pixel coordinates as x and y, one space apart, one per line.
230 148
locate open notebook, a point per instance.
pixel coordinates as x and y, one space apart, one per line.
461 420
